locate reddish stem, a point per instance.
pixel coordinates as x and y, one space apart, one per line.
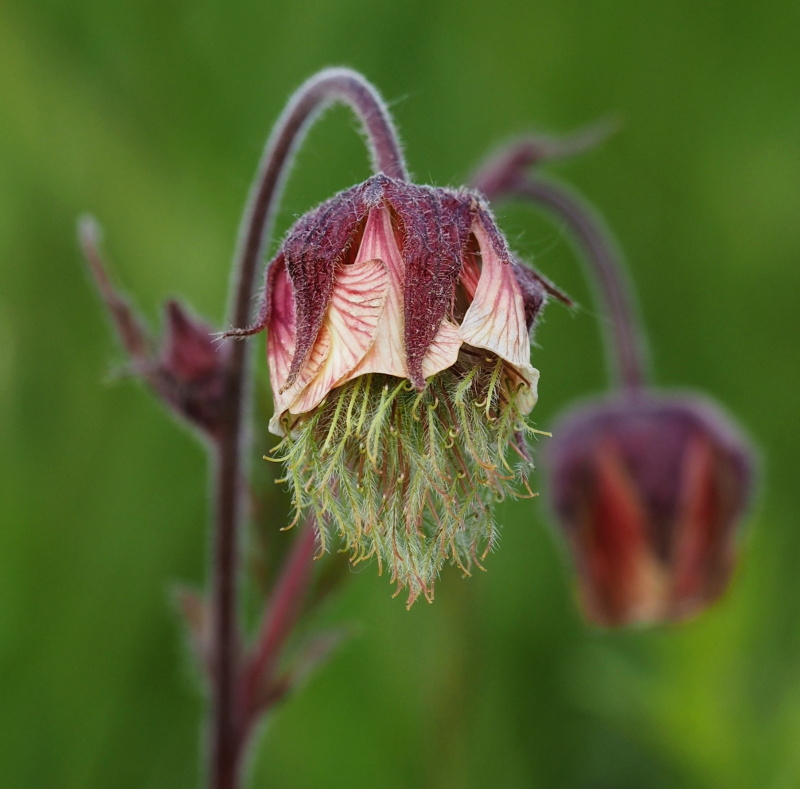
321 90
280 617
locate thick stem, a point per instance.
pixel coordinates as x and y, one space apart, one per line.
625 345
321 90
225 760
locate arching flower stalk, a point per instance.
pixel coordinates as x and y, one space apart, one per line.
399 353
648 488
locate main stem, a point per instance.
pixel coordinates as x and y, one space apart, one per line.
321 90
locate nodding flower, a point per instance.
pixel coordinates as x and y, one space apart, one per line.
399 355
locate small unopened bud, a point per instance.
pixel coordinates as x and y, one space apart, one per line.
191 367
188 370
649 492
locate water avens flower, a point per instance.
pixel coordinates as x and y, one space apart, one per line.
399 355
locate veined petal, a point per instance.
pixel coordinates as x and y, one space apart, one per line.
350 327
387 354
314 251
281 342
316 358
443 351
281 334
496 318
528 395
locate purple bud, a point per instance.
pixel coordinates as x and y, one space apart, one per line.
649 492
190 369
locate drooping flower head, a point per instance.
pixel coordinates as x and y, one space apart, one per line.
399 355
650 493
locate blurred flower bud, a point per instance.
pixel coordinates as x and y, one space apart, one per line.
649 491
191 368
399 357
188 370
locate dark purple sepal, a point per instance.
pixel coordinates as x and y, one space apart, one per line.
265 308
313 248
435 225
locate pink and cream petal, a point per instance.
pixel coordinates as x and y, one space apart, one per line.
313 251
527 395
281 331
281 341
284 399
387 354
443 351
496 318
378 243
350 325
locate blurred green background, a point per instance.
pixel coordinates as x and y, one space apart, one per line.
151 114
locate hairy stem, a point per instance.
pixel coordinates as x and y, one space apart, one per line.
318 92
625 340
282 613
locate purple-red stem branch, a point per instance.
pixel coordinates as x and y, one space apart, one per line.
625 345
321 90
285 607
504 175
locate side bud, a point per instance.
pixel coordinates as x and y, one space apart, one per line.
649 493
190 368
187 368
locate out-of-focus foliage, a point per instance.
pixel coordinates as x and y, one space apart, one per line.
152 114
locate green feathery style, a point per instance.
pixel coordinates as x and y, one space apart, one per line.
410 477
